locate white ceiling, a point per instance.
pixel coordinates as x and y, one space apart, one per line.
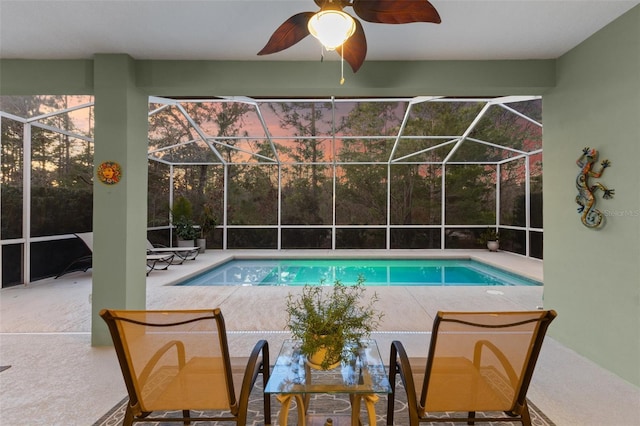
238 29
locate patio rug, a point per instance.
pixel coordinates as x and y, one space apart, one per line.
320 403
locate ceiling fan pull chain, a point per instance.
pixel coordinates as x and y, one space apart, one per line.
342 66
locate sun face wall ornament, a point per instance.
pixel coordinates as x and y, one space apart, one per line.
109 172
590 217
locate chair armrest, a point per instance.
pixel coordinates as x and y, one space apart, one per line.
508 368
403 367
148 369
258 363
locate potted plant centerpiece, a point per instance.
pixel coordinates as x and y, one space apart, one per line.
491 238
330 320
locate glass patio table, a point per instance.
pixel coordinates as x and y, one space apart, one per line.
363 377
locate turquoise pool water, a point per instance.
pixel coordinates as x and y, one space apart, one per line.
377 272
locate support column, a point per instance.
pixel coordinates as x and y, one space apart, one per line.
119 209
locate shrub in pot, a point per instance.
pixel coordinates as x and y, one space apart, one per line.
185 232
181 213
207 224
328 320
490 238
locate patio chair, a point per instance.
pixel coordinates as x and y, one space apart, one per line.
85 262
82 263
179 361
477 362
153 260
180 253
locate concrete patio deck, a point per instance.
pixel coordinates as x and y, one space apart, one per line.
57 378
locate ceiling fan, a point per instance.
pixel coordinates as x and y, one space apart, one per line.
354 49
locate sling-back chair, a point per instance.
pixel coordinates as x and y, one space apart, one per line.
477 362
179 361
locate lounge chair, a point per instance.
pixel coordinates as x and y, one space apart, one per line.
477 362
82 263
179 361
180 253
153 260
85 262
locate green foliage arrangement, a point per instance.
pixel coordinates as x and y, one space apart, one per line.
181 212
185 230
334 319
207 221
490 234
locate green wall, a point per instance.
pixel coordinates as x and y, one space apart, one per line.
33 77
119 211
277 79
592 277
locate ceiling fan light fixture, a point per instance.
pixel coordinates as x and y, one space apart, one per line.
332 27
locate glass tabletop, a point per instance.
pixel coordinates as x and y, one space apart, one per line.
363 373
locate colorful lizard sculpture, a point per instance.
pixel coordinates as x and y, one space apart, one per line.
591 217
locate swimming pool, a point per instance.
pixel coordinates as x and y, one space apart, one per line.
377 272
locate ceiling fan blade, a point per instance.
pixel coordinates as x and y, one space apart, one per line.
396 11
354 50
289 33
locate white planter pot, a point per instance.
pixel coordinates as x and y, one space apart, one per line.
202 243
185 243
493 245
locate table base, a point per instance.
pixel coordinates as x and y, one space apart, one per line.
302 403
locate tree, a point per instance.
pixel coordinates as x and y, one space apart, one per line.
61 164
361 196
306 189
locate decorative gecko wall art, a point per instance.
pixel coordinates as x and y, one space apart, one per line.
591 217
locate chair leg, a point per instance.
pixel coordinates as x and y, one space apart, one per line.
128 416
265 371
187 415
391 398
472 415
267 408
525 417
241 419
